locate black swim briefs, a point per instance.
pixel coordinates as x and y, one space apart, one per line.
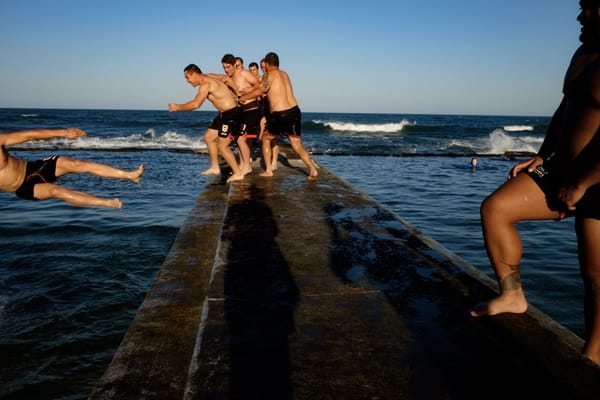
549 180
228 123
287 122
40 171
251 123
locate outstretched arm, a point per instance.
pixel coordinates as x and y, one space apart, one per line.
7 139
193 104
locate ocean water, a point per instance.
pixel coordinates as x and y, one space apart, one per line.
71 279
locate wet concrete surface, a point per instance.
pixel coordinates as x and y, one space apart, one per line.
285 288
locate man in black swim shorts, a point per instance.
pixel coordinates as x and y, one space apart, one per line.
225 127
35 180
564 177
285 117
550 178
248 90
40 171
286 123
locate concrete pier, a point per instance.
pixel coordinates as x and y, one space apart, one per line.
285 288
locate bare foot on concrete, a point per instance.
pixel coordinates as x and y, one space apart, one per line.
235 177
211 171
512 302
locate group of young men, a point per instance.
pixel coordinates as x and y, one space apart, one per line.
250 108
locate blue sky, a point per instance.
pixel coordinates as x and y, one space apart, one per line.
433 57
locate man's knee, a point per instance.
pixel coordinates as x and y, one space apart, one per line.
211 135
43 191
223 144
296 144
70 164
489 208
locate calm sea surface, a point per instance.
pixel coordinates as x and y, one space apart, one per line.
71 279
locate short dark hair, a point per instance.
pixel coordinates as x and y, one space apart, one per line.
253 64
192 68
272 59
228 59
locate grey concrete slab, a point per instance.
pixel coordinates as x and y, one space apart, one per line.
285 288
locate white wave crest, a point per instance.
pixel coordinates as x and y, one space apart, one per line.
501 142
518 128
149 140
354 127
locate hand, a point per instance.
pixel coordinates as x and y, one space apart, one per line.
530 165
570 195
173 107
74 133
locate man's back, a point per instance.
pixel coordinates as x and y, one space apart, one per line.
280 93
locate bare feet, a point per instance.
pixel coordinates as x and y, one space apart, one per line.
211 171
267 173
313 173
136 175
235 177
114 203
513 302
593 356
274 166
247 171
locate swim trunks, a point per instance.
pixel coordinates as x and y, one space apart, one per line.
251 123
40 171
250 105
228 123
287 122
548 178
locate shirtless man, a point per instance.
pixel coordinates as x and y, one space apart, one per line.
225 126
284 117
35 180
248 89
239 63
265 111
253 67
562 180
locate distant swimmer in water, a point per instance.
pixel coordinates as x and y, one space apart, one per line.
35 180
284 117
473 164
563 179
